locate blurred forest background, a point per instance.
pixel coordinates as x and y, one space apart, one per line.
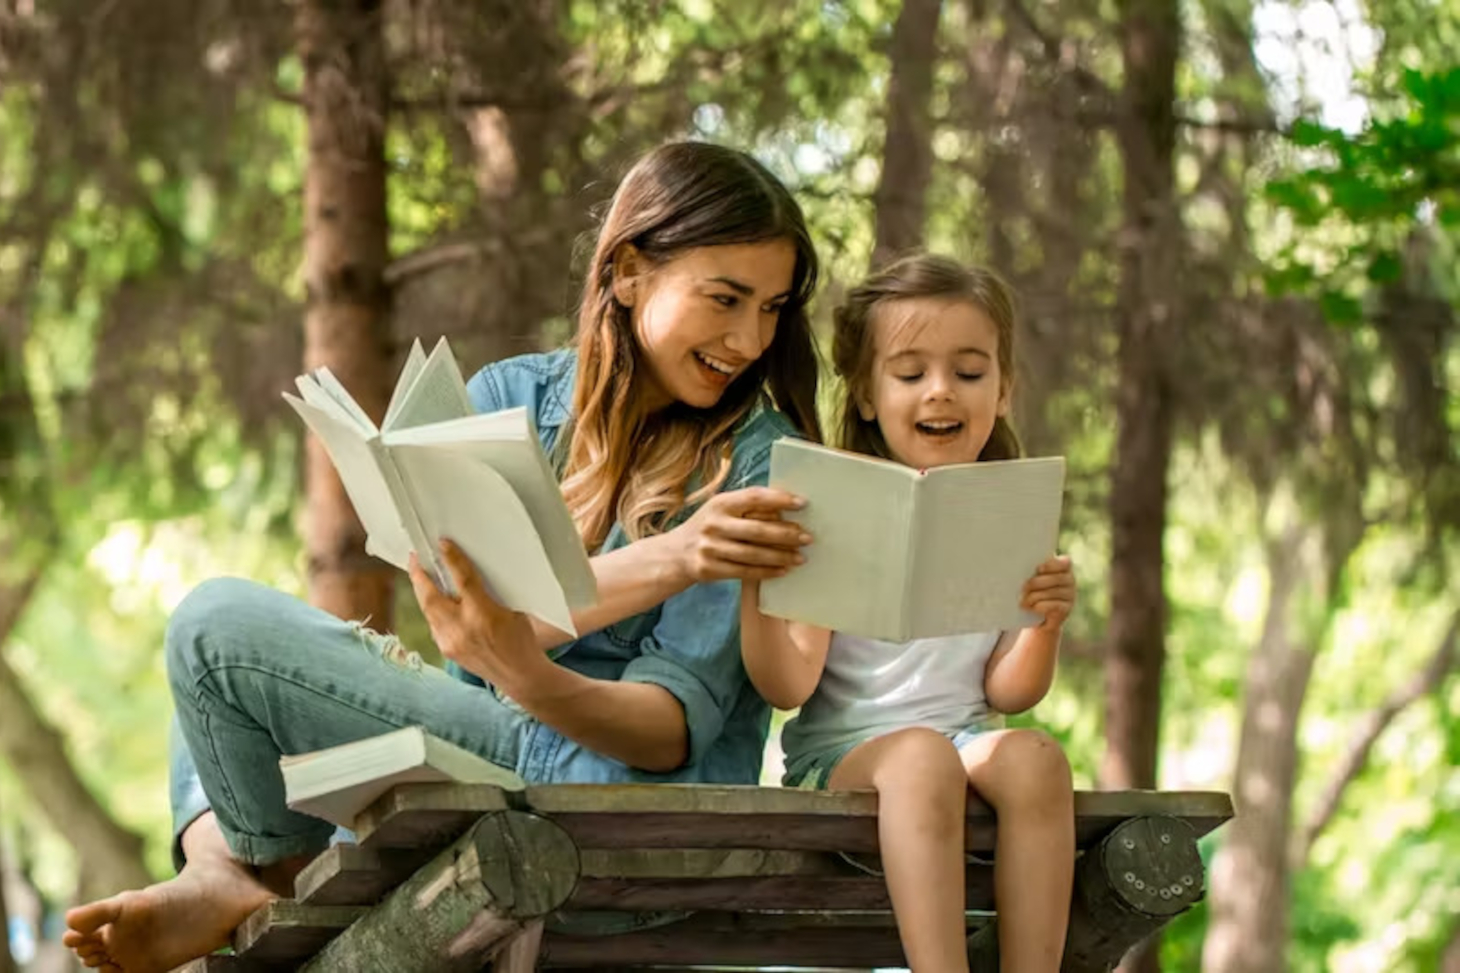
1233 224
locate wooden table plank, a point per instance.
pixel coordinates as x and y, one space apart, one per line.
427 815
703 816
796 938
823 940
284 930
346 874
678 816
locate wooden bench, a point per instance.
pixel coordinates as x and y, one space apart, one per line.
464 877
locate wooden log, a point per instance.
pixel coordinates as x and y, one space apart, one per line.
509 869
1138 878
704 816
522 953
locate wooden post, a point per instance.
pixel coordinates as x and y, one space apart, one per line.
510 869
1138 878
521 954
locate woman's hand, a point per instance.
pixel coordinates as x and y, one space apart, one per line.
1051 592
741 535
473 630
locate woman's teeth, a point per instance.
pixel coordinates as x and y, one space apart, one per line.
940 428
714 364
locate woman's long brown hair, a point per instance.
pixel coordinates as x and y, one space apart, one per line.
854 344
640 469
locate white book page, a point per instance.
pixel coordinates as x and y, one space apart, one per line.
981 530
331 387
460 498
507 442
414 361
436 393
312 392
363 480
858 512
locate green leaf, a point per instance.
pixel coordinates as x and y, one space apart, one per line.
1308 133
1339 308
1384 267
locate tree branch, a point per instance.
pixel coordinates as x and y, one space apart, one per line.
428 259
13 601
1235 126
1054 50
1102 118
1368 731
425 261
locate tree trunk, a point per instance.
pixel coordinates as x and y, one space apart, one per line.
491 287
907 156
1450 958
7 960
345 251
1248 891
514 151
110 856
1367 730
1149 241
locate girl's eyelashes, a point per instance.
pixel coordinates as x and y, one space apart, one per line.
962 376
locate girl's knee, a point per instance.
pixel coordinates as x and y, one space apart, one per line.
920 754
1025 768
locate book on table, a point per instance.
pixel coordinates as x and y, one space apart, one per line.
337 783
436 469
901 553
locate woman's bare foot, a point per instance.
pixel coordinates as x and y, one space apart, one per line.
161 927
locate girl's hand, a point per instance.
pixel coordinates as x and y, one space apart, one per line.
473 630
741 535
1051 592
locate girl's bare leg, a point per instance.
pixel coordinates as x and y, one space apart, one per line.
1024 775
922 794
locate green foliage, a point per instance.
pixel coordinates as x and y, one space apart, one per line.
1354 204
163 320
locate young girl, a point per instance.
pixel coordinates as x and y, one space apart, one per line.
926 350
693 354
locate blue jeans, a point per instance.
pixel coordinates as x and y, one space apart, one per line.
256 674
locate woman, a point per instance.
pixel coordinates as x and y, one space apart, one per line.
693 355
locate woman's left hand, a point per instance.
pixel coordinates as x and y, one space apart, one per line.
1051 592
473 629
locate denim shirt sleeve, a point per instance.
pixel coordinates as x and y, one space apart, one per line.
694 650
484 392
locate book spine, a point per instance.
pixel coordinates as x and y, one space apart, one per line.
912 514
405 502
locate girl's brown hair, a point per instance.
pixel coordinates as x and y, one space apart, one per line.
854 340
624 464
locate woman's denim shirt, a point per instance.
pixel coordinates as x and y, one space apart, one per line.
690 644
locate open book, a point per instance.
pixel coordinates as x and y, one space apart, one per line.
902 554
435 469
338 783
